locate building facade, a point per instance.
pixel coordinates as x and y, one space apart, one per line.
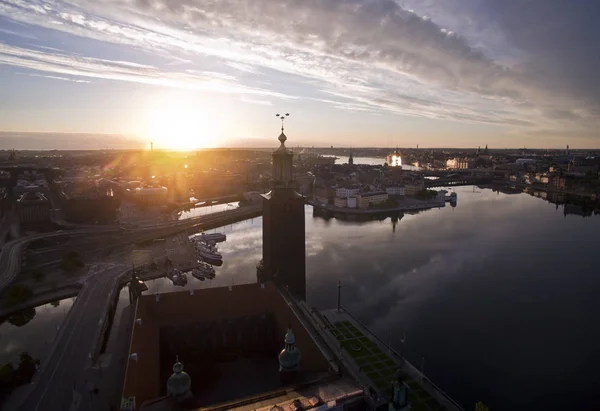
343 192
460 163
395 191
33 208
366 200
284 250
412 189
341 202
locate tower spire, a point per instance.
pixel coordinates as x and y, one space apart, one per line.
282 117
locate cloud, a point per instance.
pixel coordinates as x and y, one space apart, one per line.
491 62
55 77
256 101
124 71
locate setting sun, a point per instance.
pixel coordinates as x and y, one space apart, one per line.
178 125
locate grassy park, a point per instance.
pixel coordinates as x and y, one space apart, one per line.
380 368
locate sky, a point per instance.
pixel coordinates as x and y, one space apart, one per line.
376 73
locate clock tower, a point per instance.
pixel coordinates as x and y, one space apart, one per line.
284 249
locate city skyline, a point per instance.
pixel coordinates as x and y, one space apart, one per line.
192 74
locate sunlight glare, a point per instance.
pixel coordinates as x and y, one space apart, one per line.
179 125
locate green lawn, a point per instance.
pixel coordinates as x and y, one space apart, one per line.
380 369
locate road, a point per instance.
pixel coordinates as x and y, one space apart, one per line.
62 382
62 376
10 257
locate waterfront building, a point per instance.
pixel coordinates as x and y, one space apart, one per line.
395 191
352 202
413 188
341 202
366 200
345 192
394 159
284 251
460 163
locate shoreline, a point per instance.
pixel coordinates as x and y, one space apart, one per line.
416 206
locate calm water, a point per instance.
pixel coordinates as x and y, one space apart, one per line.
498 295
32 331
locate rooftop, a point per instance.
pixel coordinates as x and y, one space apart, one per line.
31 197
228 339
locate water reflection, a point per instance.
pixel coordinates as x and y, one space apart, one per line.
13 376
31 331
498 295
22 318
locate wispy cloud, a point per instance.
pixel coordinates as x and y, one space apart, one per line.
358 55
255 101
54 77
124 71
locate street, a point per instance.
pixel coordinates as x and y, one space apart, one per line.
63 372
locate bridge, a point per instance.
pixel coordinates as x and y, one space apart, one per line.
217 200
10 257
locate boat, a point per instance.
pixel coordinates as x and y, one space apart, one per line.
196 273
206 270
208 253
216 237
177 277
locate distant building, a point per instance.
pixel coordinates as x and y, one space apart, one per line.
343 192
394 159
341 202
150 195
460 163
395 191
525 161
5 179
352 202
33 207
366 200
178 188
413 188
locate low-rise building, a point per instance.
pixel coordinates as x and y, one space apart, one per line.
150 195
352 202
460 163
395 191
341 202
33 207
345 192
366 200
413 188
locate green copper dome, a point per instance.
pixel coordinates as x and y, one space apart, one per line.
179 382
289 357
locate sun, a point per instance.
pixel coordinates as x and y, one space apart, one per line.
179 126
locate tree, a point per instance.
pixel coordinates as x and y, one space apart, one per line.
22 317
55 303
481 407
17 293
71 262
38 275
